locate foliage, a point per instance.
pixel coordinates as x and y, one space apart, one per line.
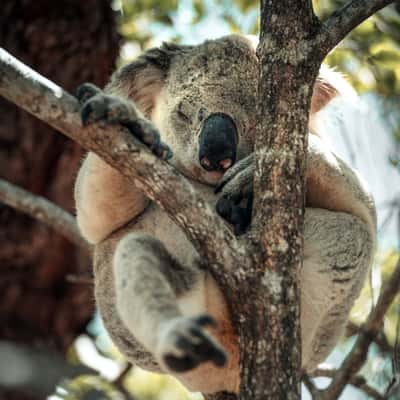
370 55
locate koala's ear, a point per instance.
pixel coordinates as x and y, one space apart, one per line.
328 85
143 79
325 88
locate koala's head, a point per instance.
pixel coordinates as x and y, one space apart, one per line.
202 99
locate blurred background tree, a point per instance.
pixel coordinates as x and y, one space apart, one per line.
69 42
73 41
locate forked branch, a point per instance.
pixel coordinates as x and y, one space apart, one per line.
357 381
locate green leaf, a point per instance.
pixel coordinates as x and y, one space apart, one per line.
386 58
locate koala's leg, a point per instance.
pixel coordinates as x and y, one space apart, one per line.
338 251
149 283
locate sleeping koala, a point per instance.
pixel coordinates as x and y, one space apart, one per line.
161 307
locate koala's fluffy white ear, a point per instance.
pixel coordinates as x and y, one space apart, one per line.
143 79
328 85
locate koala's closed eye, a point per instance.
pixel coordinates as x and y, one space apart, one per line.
183 115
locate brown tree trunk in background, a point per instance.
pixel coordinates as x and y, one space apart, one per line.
70 42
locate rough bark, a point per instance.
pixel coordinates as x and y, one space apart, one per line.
271 324
261 289
70 42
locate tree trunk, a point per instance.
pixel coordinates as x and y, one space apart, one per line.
69 42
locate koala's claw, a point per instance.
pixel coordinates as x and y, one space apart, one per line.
238 216
236 186
185 344
98 106
86 91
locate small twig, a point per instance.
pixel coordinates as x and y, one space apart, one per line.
118 382
357 381
344 20
42 210
355 359
311 387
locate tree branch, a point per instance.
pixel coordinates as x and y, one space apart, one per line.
158 180
44 211
311 387
344 20
380 340
356 358
357 381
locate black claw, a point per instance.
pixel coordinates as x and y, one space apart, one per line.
220 358
198 347
180 364
85 91
206 320
147 134
224 208
188 347
238 216
162 151
220 185
86 113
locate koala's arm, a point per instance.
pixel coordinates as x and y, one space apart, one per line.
105 200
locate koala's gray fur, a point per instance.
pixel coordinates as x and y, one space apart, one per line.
150 288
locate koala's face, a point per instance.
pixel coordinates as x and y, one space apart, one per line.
205 110
203 100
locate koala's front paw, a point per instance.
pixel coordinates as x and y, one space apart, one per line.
237 187
98 106
184 344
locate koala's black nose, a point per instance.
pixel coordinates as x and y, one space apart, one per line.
218 142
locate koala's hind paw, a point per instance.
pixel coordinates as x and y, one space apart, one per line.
184 344
98 106
237 186
236 215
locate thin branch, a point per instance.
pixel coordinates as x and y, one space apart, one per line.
311 387
158 180
380 340
119 382
344 20
357 381
42 210
356 358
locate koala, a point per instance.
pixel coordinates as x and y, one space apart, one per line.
195 105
